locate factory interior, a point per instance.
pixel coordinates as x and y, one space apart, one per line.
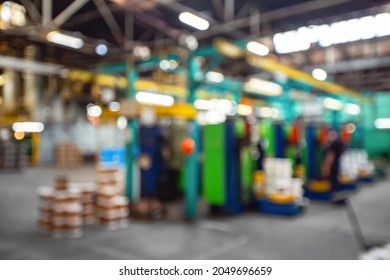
192 130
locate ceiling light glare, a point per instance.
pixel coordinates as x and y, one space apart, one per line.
65 40
382 123
215 77
101 49
352 109
257 48
154 99
194 21
332 104
319 74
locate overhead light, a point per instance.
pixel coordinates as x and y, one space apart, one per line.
114 106
142 52
194 21
215 77
319 74
168 64
332 104
154 99
28 127
101 49
65 40
257 48
6 12
164 65
94 111
382 123
352 109
244 110
325 35
188 41
263 87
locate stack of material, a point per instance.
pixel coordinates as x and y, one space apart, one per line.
60 210
13 155
355 164
88 193
279 181
112 208
110 177
68 155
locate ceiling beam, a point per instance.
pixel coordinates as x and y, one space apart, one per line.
292 10
88 16
47 12
129 29
218 8
110 21
32 10
179 8
352 65
229 10
21 64
68 12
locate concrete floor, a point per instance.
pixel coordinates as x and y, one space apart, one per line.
322 232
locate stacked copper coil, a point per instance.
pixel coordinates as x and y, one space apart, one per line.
68 155
112 209
60 210
111 206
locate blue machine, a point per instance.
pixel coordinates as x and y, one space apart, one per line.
151 143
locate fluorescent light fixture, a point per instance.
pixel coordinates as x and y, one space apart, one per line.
94 111
65 40
352 109
194 21
101 49
263 87
319 74
244 110
6 13
28 127
382 123
215 77
154 99
325 35
332 104
114 106
257 48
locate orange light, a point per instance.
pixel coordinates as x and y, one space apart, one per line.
19 135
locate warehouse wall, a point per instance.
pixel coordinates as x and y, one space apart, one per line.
377 142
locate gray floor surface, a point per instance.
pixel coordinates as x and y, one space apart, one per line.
322 232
